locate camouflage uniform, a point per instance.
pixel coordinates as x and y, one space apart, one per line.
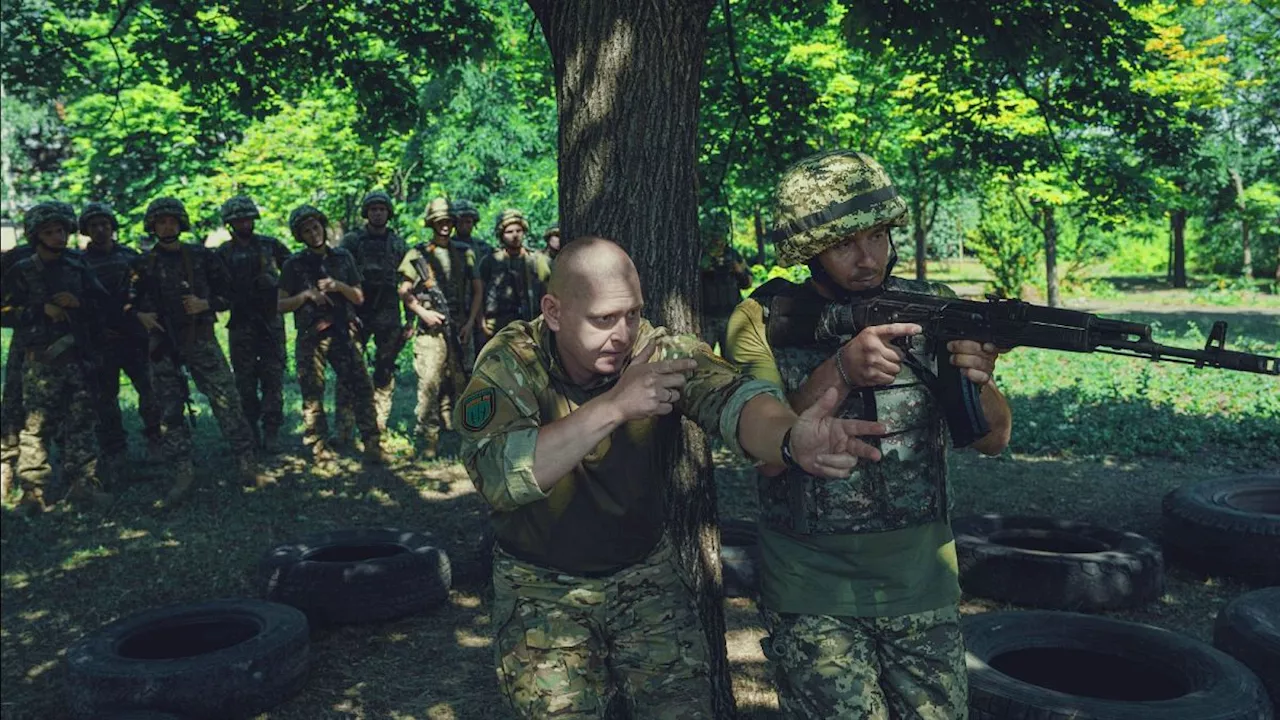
551 253
120 351
12 417
455 266
513 284
162 277
590 607
256 336
327 335
858 580
721 292
57 362
436 357
377 258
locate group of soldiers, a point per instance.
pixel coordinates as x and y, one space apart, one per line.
80 318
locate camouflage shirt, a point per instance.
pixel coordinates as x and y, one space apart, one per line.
113 267
162 277
608 512
722 286
254 266
378 258
304 269
454 267
31 282
514 286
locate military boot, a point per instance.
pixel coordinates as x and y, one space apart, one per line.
430 444
32 501
87 493
270 440
184 478
374 455
251 475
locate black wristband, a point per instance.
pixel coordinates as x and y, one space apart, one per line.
787 458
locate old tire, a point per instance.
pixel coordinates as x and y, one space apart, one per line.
1056 564
1042 665
739 558
1248 629
1229 526
218 659
358 575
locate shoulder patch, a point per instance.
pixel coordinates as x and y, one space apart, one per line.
478 409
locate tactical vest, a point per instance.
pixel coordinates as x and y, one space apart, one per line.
113 268
906 488
457 290
255 280
43 282
378 259
334 263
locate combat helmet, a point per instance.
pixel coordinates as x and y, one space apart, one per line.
822 200
44 213
238 208
301 213
97 210
715 224
464 209
166 206
553 230
510 216
373 197
437 209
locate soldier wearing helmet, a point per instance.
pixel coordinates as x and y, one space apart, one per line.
377 250
256 330
551 237
121 351
59 307
514 278
864 562
465 217
443 322
724 276
178 288
323 286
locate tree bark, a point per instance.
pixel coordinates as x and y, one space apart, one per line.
1050 230
627 90
1247 269
759 238
918 234
1178 226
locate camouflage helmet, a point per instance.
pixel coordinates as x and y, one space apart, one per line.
301 213
510 216
822 200
373 197
97 210
166 206
47 212
553 230
464 208
437 209
238 208
716 223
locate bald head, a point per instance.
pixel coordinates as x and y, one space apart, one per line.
588 264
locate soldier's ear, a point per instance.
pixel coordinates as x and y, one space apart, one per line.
551 311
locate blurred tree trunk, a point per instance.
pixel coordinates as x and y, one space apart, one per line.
1178 228
627 89
759 238
1050 230
1247 269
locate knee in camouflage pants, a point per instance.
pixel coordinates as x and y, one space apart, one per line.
571 647
312 351
130 358
435 367
59 406
384 368
208 368
907 667
257 362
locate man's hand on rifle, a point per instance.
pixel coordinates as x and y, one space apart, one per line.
430 318
329 285
317 297
193 305
978 360
150 321
65 299
870 359
464 333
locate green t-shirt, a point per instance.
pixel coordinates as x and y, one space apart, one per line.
865 575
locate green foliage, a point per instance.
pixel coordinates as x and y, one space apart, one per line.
1005 243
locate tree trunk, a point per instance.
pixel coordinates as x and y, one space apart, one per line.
918 234
627 87
1247 269
759 239
1050 230
1178 226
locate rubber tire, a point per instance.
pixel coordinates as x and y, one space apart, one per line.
1126 571
1219 687
1248 629
358 591
1204 531
739 558
241 680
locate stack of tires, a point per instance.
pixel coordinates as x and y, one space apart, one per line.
237 658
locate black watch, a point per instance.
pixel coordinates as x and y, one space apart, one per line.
787 458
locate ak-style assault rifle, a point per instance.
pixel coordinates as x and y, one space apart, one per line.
1005 324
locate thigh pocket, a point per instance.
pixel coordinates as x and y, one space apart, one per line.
546 662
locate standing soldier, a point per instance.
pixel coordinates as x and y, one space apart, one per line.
178 289
377 251
724 277
552 238
256 327
121 350
465 217
454 265
514 278
858 574
323 286
59 307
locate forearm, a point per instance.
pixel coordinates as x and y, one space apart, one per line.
352 293
290 303
477 301
999 418
826 375
761 427
564 443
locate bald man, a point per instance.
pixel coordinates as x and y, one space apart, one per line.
568 426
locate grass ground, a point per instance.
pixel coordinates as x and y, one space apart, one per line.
1096 438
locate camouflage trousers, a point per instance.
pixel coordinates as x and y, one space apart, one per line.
435 367
257 363
574 647
311 351
384 368
131 359
714 328
59 407
208 368
12 417
907 667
